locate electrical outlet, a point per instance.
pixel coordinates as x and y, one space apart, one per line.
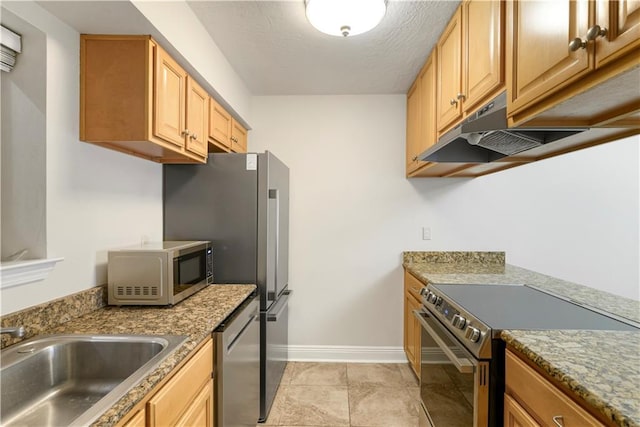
426 233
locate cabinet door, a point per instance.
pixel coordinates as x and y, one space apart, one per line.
621 19
176 396
219 125
238 137
427 116
170 96
138 420
449 53
409 329
515 415
483 59
540 60
197 118
413 334
413 126
200 412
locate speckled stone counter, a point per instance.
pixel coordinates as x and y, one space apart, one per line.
600 367
196 317
488 270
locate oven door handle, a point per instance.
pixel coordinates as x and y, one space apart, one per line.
464 366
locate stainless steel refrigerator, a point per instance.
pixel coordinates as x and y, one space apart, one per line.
240 202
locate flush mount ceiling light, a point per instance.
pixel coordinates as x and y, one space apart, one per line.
345 17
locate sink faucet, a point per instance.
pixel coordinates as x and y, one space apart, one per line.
14 331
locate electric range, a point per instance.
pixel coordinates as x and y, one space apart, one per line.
462 355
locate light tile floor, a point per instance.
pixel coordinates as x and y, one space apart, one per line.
346 394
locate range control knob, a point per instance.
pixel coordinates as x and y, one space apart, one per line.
458 321
432 298
424 291
438 300
473 334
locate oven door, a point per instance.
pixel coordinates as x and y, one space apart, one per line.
453 384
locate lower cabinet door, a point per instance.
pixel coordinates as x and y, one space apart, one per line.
138 420
515 415
200 413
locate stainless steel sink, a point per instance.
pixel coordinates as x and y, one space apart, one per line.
58 380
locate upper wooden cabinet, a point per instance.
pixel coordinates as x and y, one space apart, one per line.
483 51
219 127
540 58
197 118
421 116
169 104
133 98
562 63
449 77
238 137
618 29
470 60
560 51
413 126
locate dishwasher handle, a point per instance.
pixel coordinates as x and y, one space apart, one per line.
233 339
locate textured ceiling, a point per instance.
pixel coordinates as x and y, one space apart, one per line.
275 50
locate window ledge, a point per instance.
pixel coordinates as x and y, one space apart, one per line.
16 273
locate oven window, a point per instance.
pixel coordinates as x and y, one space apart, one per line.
188 270
447 394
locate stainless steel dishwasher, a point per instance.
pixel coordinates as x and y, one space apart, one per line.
238 367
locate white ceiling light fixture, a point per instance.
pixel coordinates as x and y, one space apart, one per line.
345 17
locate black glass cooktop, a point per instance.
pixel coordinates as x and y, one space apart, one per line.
521 307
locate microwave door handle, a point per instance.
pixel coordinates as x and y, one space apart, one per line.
462 365
274 194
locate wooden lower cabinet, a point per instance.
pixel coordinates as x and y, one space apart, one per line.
178 396
138 420
185 399
412 342
200 412
532 400
515 415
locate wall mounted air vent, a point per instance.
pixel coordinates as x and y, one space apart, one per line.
10 47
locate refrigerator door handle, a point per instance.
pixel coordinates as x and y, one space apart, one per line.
285 298
274 194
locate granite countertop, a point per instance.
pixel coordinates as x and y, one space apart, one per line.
195 317
602 368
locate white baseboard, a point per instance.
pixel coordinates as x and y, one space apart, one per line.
339 353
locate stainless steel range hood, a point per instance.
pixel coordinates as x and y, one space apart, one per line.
484 137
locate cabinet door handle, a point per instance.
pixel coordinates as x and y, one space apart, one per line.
453 101
595 32
461 96
193 136
185 132
558 421
577 44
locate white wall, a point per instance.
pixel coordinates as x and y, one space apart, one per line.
23 149
352 214
96 199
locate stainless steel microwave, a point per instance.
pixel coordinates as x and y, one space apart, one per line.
158 273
